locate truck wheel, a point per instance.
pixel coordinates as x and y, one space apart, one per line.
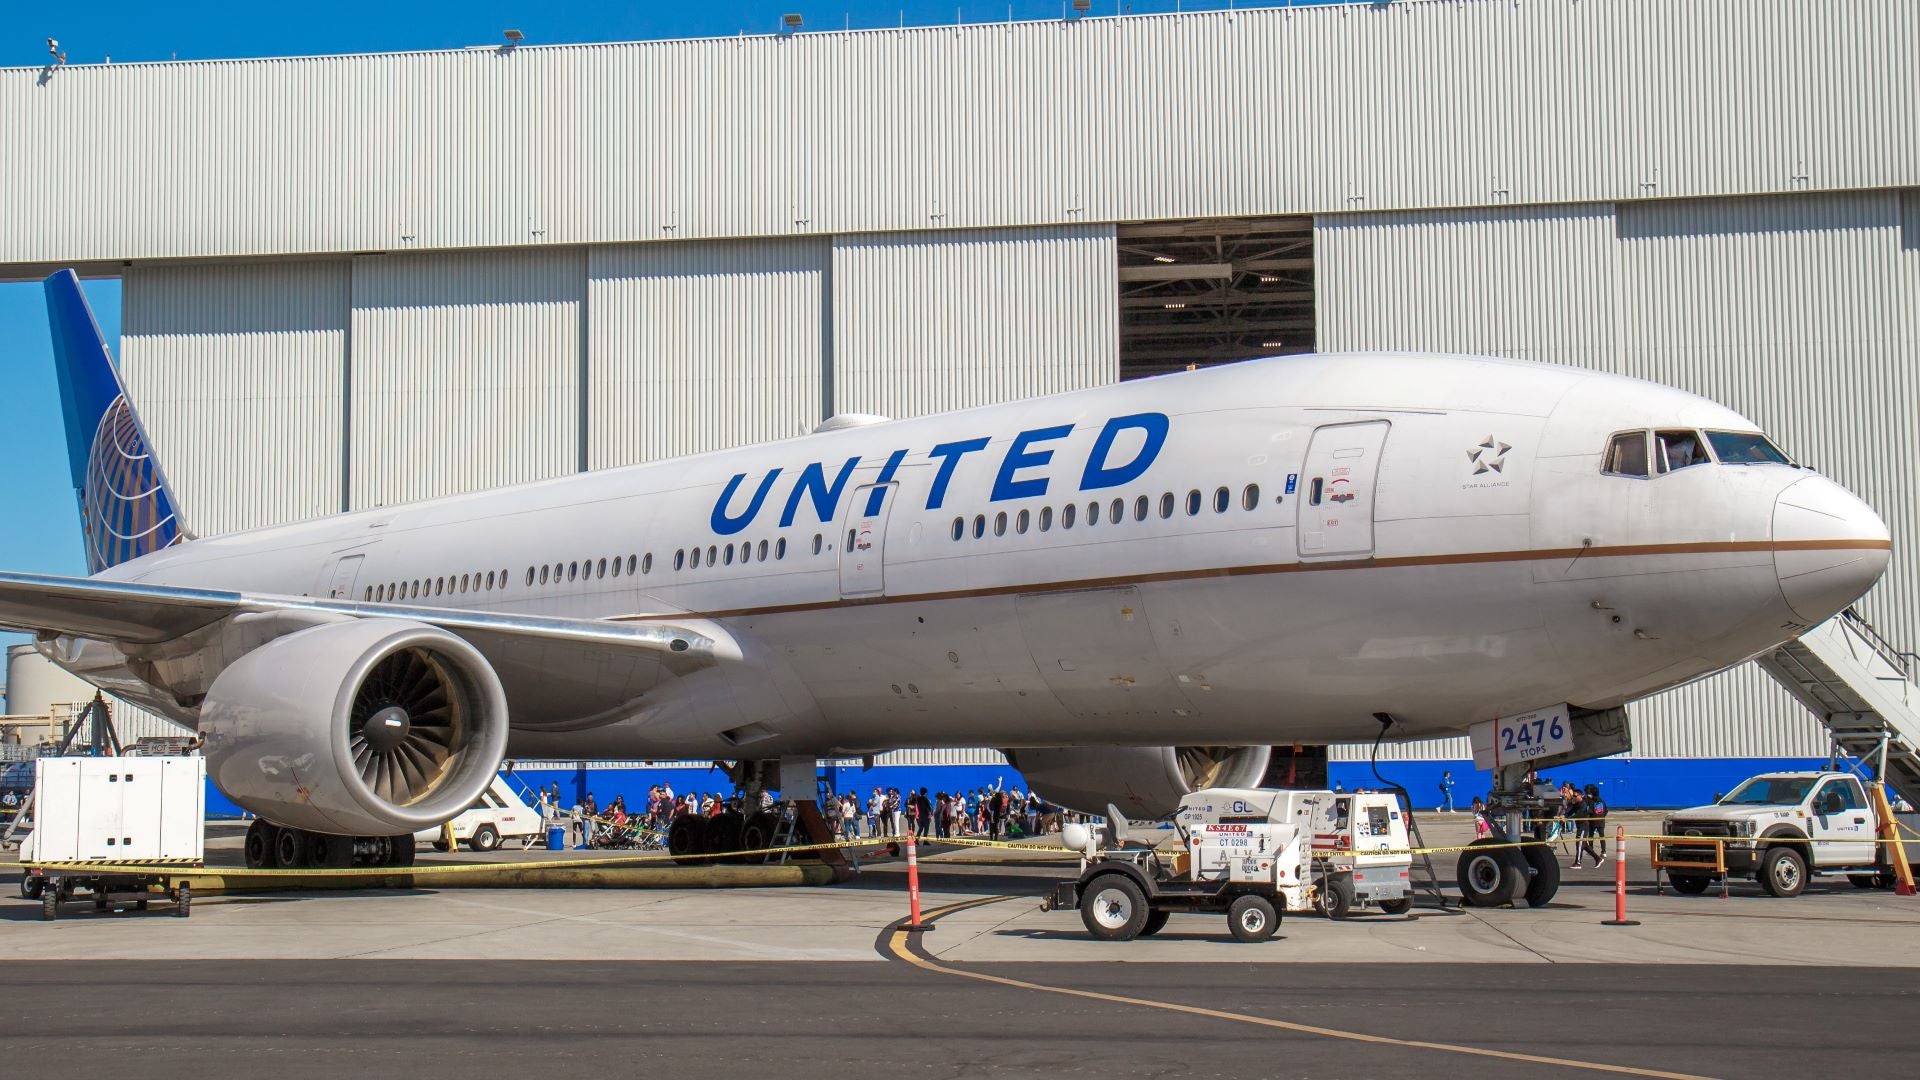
32 886
1864 881
50 904
486 838
1783 871
1688 884
1156 922
1545 880
1488 878
1252 918
1336 900
183 900
1113 908
1397 907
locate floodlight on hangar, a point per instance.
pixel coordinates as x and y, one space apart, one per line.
1083 6
515 37
791 21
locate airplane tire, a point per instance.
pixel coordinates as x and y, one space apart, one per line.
403 850
687 838
1544 882
757 834
290 850
1251 918
1487 876
261 835
723 835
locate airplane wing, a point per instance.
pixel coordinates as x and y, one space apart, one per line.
556 669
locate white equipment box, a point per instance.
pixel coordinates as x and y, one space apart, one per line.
118 810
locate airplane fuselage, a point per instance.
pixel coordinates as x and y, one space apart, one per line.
1255 554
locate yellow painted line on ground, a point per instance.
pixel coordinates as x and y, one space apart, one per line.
897 944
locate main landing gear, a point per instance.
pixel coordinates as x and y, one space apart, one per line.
277 847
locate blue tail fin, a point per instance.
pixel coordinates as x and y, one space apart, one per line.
126 508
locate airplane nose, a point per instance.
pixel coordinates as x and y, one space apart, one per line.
1828 547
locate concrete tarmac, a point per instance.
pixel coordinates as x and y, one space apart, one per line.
813 981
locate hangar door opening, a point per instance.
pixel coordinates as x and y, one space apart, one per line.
1212 291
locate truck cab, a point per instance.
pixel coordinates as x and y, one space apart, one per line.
1779 828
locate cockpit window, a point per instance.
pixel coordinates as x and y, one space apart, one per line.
1626 454
1745 448
1676 450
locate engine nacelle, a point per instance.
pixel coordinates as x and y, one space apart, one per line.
370 727
1145 781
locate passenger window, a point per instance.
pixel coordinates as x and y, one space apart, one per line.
602 569
711 552
1250 498
1093 514
1020 521
979 526
1140 508
695 564
529 577
729 555
1117 511
959 528
1046 518
1315 489
1222 498
1193 502
1166 504
816 543
573 571
680 559
616 566
780 549
1676 450
1626 455
646 563
1000 523
1066 515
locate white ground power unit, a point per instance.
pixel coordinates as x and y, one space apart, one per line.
118 810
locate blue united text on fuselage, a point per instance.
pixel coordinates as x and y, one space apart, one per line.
1021 473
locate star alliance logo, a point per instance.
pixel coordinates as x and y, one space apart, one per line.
1489 456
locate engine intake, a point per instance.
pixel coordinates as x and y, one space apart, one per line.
369 727
1145 781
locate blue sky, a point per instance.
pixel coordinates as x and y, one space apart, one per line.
41 531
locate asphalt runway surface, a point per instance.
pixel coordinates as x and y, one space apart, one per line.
845 1021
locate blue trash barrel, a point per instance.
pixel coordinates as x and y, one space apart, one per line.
557 838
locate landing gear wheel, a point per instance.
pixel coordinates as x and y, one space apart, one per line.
1783 872
1545 880
1397 907
260 843
1113 908
486 838
290 849
1335 901
687 838
1156 922
723 835
1488 877
1688 884
757 834
183 900
1252 918
402 850
328 852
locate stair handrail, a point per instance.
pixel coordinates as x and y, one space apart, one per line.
1896 658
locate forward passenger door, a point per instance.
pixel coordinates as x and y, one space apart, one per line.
1337 495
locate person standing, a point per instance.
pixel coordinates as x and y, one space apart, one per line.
1446 791
1593 824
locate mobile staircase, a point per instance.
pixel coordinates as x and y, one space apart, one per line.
1862 689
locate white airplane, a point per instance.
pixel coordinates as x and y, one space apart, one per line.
1135 589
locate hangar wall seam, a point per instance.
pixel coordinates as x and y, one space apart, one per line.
985 125
236 370
930 322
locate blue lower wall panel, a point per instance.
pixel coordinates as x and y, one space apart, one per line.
1625 783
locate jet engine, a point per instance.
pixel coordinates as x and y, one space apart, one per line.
1145 781
368 727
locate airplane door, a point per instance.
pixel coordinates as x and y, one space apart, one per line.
864 541
1337 490
345 573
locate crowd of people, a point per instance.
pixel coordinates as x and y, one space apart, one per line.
997 814
984 812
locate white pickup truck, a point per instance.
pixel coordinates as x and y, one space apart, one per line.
1782 827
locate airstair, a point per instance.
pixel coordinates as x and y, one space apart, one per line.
1862 689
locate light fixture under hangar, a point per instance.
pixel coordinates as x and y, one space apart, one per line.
1213 291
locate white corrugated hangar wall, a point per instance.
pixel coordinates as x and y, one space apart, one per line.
356 281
